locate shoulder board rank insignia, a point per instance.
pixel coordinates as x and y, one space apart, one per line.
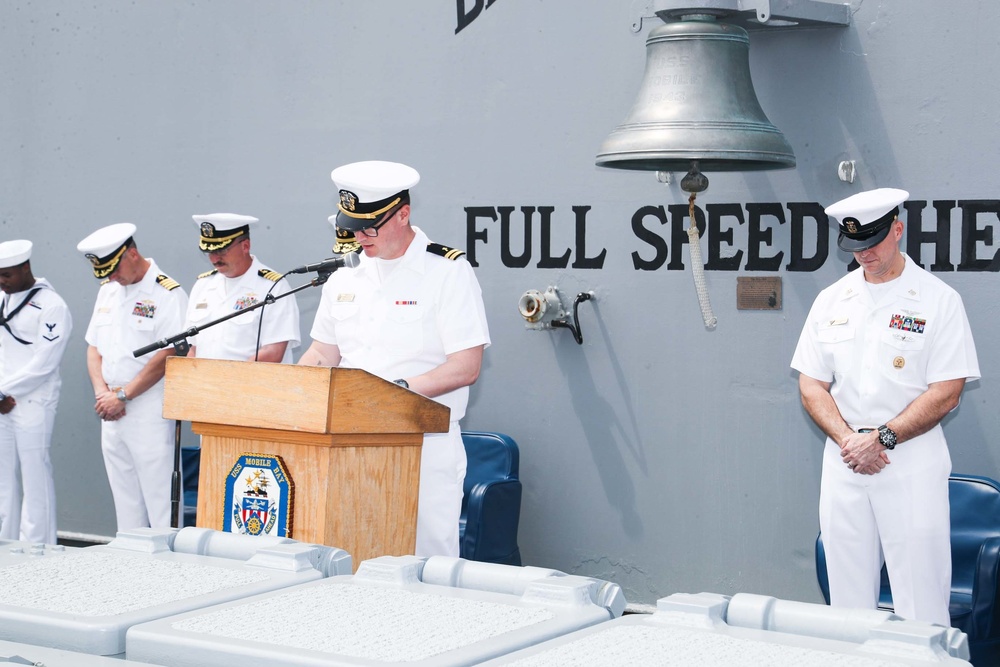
273 276
167 282
207 274
105 281
444 251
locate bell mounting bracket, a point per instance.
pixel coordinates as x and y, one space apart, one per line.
748 14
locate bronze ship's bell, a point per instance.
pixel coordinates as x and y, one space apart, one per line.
696 109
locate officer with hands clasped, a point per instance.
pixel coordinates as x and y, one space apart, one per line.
884 355
136 305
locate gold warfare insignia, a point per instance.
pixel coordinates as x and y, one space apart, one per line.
898 363
207 230
348 200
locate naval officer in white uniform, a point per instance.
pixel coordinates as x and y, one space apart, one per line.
239 281
35 325
411 312
136 305
884 355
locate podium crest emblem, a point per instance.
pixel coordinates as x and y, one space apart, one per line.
258 497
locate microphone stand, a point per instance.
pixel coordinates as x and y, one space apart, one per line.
182 347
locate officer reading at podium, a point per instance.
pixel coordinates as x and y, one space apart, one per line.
411 312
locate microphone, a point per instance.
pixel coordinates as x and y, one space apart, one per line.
330 265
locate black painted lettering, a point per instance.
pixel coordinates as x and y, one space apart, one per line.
972 234
547 261
717 236
650 237
582 261
679 233
472 213
940 238
758 236
800 211
508 258
467 16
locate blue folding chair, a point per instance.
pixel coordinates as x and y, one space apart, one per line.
491 504
975 565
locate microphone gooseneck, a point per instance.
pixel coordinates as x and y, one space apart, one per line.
330 265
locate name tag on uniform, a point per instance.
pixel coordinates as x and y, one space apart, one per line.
837 322
201 306
345 297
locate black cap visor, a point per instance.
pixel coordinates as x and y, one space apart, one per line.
855 244
353 224
356 223
866 238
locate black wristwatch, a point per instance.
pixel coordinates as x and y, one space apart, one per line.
402 383
887 437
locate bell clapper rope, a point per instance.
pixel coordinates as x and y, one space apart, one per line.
695 182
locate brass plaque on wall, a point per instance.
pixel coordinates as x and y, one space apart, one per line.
758 293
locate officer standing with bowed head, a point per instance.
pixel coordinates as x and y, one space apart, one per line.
882 358
136 305
237 282
411 312
35 325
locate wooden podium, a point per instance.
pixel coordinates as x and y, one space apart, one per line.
350 443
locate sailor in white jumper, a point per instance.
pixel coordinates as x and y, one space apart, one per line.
35 325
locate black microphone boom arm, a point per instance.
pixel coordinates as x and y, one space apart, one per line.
179 340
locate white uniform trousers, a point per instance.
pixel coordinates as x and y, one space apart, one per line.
139 458
901 514
27 491
442 474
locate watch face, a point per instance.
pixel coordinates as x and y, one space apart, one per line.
887 437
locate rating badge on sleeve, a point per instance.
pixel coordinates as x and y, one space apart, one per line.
258 497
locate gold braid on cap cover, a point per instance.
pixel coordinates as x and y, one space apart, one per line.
107 266
372 215
219 242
